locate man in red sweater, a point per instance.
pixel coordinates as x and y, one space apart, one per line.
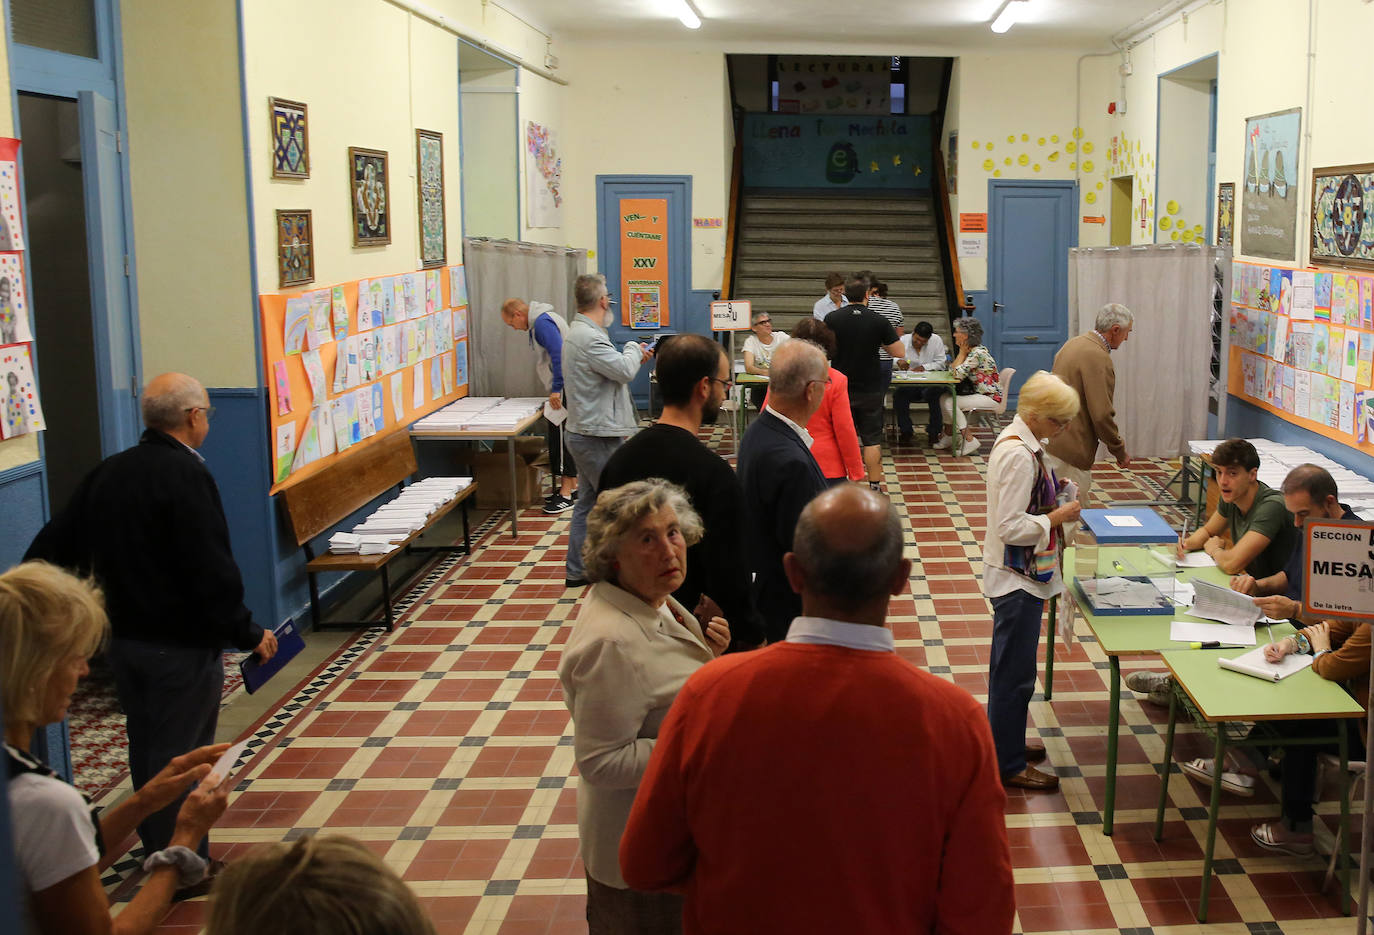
879 806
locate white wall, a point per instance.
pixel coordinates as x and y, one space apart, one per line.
1185 203
541 101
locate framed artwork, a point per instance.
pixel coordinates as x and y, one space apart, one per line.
367 192
295 249
1269 202
290 139
1226 213
1342 228
429 171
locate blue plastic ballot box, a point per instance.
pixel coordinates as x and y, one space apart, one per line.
1129 566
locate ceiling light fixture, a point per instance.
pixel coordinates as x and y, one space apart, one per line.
687 15
1007 16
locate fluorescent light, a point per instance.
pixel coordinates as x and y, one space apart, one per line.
687 15
1011 11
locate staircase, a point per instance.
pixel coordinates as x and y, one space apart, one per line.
788 242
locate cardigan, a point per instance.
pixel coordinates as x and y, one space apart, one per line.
878 805
1085 364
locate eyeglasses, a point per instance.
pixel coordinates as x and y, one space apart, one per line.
725 383
764 321
209 411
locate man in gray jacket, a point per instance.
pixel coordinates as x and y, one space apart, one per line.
596 392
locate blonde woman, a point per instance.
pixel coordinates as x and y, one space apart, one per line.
631 649
1021 557
50 623
330 885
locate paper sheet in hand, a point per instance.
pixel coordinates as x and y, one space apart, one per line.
224 766
556 416
1188 631
1254 663
1197 560
256 672
1121 521
1217 603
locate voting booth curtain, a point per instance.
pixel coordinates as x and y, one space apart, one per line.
502 362
1163 371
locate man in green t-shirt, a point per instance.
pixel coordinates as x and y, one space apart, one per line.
1251 513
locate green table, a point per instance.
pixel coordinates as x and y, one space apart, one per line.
933 378
742 413
1219 697
1122 636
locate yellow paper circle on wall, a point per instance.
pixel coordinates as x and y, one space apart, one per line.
1088 166
1088 146
1090 198
1165 223
1054 138
1023 160
1197 229
976 144
1073 166
1025 137
1099 186
1070 147
1041 141
1174 236
1006 161
1078 133
1171 206
1036 167
997 174
988 145
987 165
1011 137
1054 156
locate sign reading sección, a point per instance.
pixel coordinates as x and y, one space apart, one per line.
1339 568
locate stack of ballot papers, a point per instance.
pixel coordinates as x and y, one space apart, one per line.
394 521
1125 592
455 416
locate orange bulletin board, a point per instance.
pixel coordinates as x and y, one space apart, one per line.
644 262
413 325
1302 344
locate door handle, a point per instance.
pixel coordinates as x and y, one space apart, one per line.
997 306
1032 337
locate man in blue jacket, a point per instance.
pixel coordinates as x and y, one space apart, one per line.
596 390
546 332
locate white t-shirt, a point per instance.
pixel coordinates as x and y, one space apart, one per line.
54 837
763 353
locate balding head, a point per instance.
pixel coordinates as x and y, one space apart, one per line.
794 365
516 313
173 403
846 558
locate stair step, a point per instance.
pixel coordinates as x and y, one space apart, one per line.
890 271
834 203
803 287
844 255
822 238
904 224
914 307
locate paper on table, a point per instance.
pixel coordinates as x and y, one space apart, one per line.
1197 560
1187 631
1217 603
1254 663
1122 521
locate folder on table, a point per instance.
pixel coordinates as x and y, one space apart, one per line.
256 672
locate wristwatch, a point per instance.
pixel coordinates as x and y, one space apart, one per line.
1304 645
1320 652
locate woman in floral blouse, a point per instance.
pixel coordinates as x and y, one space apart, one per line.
979 386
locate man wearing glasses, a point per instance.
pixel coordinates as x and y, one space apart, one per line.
148 524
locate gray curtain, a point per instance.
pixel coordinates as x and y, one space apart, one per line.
501 360
1163 371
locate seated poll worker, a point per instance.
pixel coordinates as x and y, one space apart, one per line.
1251 515
51 623
1340 652
631 649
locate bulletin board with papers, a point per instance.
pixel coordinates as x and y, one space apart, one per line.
352 363
1302 343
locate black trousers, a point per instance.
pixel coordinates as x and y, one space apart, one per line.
170 696
561 463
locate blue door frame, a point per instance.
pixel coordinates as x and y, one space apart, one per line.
677 189
1031 228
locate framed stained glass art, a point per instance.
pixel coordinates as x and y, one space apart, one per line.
295 249
290 139
367 193
1342 229
429 171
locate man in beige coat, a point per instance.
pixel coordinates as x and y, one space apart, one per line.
1085 363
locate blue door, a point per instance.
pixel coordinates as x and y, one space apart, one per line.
1030 231
116 339
677 189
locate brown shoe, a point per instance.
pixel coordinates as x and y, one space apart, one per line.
1035 753
1032 778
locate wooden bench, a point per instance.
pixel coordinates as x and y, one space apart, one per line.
323 500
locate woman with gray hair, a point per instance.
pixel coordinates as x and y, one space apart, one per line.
979 383
632 647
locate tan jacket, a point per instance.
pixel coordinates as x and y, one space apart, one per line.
621 670
1085 364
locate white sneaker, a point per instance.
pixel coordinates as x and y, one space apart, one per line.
1235 782
970 446
944 442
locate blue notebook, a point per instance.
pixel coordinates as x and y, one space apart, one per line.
256 672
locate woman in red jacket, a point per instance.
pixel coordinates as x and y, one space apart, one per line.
836 443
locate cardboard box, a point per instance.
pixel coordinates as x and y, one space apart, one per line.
492 472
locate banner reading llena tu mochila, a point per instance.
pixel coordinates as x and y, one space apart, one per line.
644 262
1339 568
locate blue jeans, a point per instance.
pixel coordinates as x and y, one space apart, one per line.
904 396
1011 674
591 452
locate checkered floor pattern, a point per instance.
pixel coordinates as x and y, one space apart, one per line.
445 747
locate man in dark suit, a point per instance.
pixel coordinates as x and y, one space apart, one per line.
780 477
149 525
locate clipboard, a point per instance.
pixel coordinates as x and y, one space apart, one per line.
256 672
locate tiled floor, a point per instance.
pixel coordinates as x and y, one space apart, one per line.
446 747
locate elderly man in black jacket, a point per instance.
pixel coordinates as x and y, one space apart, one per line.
149 525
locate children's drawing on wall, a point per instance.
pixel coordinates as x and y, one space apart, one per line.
1269 203
11 226
457 286
460 355
297 323
460 324
543 176
14 310
23 413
